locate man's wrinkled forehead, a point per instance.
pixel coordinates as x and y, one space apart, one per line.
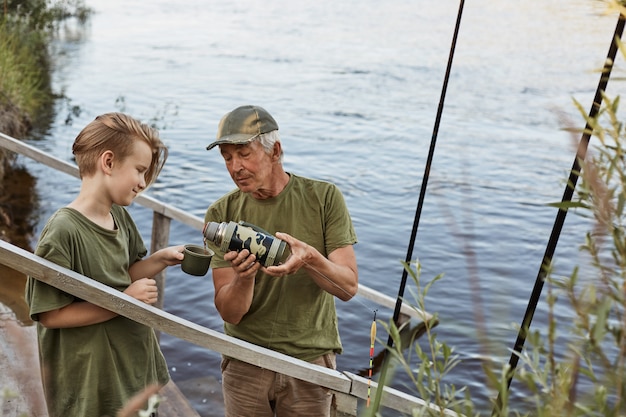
231 148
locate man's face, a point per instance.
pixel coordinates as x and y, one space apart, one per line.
249 167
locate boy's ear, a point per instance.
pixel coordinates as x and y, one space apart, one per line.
106 161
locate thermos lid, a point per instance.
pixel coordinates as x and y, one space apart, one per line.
210 231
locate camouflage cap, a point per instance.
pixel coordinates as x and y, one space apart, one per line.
243 125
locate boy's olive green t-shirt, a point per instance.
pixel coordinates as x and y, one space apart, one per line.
292 314
92 370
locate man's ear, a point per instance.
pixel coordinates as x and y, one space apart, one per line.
277 151
106 161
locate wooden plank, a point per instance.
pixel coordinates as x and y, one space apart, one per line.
109 298
346 405
174 403
390 302
392 398
170 211
160 240
22 148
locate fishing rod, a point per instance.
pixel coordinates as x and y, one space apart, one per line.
418 211
560 217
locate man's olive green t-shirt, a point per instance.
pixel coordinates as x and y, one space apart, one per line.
92 370
292 314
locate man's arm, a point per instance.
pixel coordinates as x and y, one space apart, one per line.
234 286
337 274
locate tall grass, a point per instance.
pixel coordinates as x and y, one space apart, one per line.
577 366
26 28
24 68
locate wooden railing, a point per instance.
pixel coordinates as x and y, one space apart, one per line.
348 387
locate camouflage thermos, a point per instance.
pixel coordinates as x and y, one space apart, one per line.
230 236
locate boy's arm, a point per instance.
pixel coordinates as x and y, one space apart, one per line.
156 262
83 313
77 314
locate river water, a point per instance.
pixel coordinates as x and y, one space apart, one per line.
354 86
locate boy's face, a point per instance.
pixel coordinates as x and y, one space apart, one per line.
128 177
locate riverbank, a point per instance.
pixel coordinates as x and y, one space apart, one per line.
25 96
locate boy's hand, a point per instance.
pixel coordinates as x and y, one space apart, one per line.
143 289
172 255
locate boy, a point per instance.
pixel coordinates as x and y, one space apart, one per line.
92 359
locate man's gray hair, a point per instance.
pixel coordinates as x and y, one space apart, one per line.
267 140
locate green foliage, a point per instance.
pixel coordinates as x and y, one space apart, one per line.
26 27
588 378
43 15
24 75
576 366
436 359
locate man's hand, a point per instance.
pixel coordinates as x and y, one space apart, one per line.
243 263
300 253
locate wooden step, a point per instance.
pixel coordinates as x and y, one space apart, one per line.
174 403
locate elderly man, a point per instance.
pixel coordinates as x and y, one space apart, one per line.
289 308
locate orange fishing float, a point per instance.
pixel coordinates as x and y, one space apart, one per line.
372 341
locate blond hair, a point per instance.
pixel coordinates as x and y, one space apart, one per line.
117 132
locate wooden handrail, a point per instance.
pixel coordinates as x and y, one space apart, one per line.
349 387
111 299
14 145
107 297
195 222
